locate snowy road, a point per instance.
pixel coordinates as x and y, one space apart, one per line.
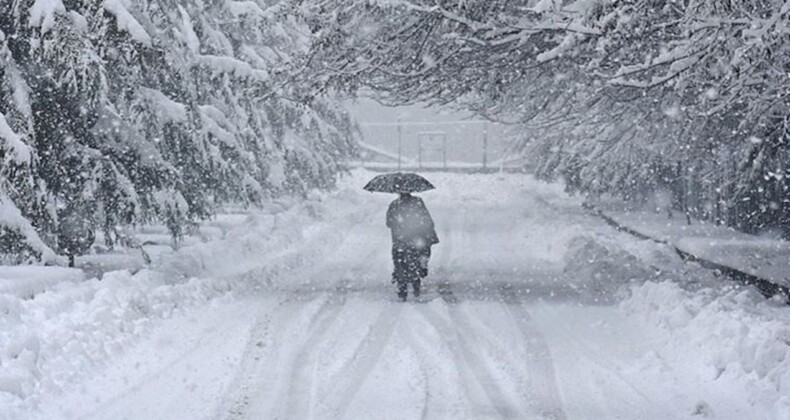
501 331
340 345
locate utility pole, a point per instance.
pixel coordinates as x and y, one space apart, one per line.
485 145
419 150
444 152
400 144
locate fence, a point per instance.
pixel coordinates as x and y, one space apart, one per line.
448 145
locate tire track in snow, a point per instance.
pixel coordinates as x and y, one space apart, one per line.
441 399
444 331
364 359
249 384
251 368
458 334
540 378
462 342
422 355
236 405
261 373
298 395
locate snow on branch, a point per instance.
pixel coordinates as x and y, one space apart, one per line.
42 14
216 124
186 31
229 65
126 21
242 8
163 106
15 149
11 218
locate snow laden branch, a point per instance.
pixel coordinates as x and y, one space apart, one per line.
439 51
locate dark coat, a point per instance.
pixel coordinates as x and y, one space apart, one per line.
411 223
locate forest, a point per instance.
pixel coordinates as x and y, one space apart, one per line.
123 112
119 112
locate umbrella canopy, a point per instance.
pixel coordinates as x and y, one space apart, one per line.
399 182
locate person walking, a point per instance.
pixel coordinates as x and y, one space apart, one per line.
413 235
413 232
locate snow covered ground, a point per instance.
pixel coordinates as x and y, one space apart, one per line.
533 309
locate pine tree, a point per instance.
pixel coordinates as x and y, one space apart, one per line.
136 112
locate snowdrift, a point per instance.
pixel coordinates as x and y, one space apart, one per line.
742 339
55 326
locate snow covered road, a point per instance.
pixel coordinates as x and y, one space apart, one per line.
506 328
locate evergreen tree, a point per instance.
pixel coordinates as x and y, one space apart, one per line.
119 112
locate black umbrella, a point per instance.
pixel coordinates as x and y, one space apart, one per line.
399 182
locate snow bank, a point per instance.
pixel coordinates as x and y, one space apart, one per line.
95 265
25 281
71 329
598 269
743 340
713 334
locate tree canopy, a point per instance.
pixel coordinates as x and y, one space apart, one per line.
619 97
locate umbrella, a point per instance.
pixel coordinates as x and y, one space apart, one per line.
399 182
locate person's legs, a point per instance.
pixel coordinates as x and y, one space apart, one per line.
396 259
406 260
400 271
413 268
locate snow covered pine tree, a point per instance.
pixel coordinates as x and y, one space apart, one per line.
125 112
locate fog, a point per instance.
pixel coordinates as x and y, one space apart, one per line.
464 132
